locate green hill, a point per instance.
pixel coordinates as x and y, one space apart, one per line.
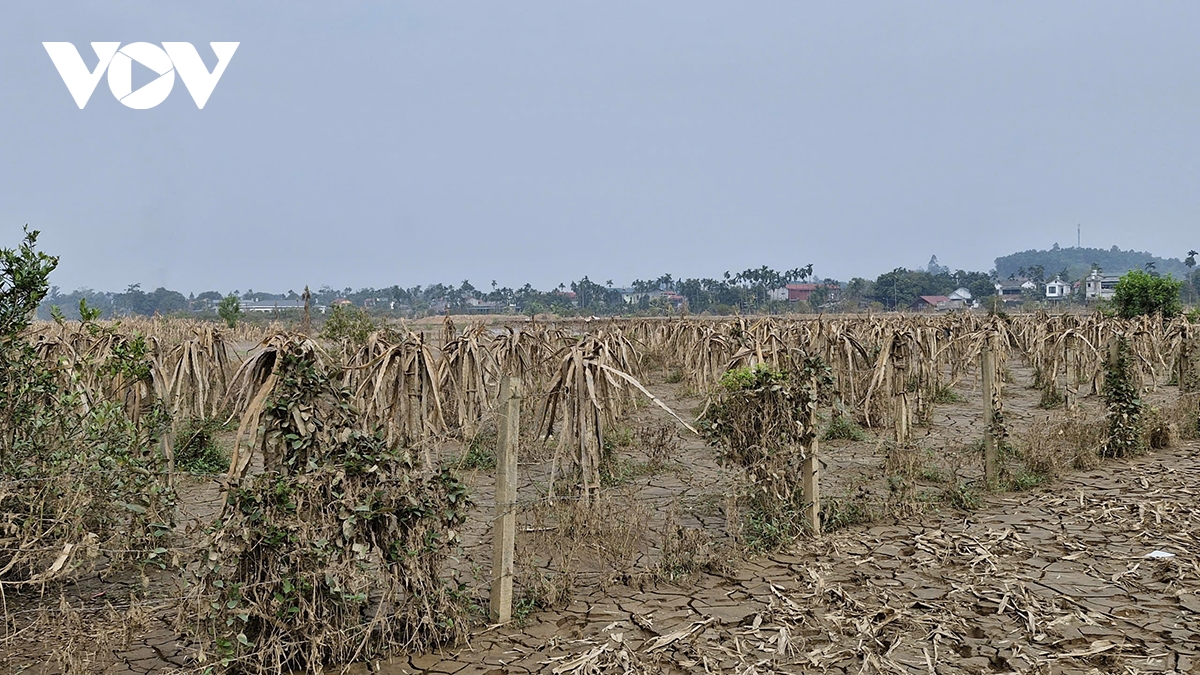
1078 262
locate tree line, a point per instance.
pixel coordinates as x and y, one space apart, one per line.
748 291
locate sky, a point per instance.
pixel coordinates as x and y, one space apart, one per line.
378 143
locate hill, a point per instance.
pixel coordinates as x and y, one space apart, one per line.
1078 262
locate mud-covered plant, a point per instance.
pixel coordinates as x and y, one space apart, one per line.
334 552
1123 400
1051 396
78 475
764 420
479 451
687 551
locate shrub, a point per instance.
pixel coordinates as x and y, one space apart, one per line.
764 420
843 428
1139 293
196 448
334 551
229 309
80 452
352 324
1124 403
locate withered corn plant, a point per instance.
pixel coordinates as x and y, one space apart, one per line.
399 391
333 553
200 369
588 391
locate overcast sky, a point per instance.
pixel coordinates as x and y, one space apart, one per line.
371 144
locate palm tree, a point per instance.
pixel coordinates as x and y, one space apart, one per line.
1190 261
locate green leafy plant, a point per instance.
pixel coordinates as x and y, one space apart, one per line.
1124 403
196 448
1139 293
944 395
79 442
230 309
347 323
843 428
480 450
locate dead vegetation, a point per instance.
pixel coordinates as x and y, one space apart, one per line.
359 427
333 552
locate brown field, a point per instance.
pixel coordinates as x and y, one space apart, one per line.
650 561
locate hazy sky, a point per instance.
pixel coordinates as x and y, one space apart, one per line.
373 143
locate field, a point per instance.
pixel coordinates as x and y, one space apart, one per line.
309 502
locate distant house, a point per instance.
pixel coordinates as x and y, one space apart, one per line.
633 297
927 302
1058 290
802 292
1103 286
276 306
477 306
1014 291
961 294
677 300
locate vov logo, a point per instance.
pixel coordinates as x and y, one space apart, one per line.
172 57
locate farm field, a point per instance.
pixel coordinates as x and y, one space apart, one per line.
647 536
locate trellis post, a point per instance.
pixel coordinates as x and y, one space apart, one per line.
504 527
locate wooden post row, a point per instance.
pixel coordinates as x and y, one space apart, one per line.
504 527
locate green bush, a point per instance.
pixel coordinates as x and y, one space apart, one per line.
1124 403
1140 293
347 323
229 309
196 449
843 428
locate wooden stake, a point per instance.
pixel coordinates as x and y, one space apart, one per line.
988 367
811 483
504 532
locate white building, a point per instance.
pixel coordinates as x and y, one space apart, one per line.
1100 286
1058 289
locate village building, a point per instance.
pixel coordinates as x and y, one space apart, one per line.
928 302
1014 291
802 292
1058 290
1102 286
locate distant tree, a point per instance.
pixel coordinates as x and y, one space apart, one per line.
981 288
1078 261
229 310
1139 293
1190 260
